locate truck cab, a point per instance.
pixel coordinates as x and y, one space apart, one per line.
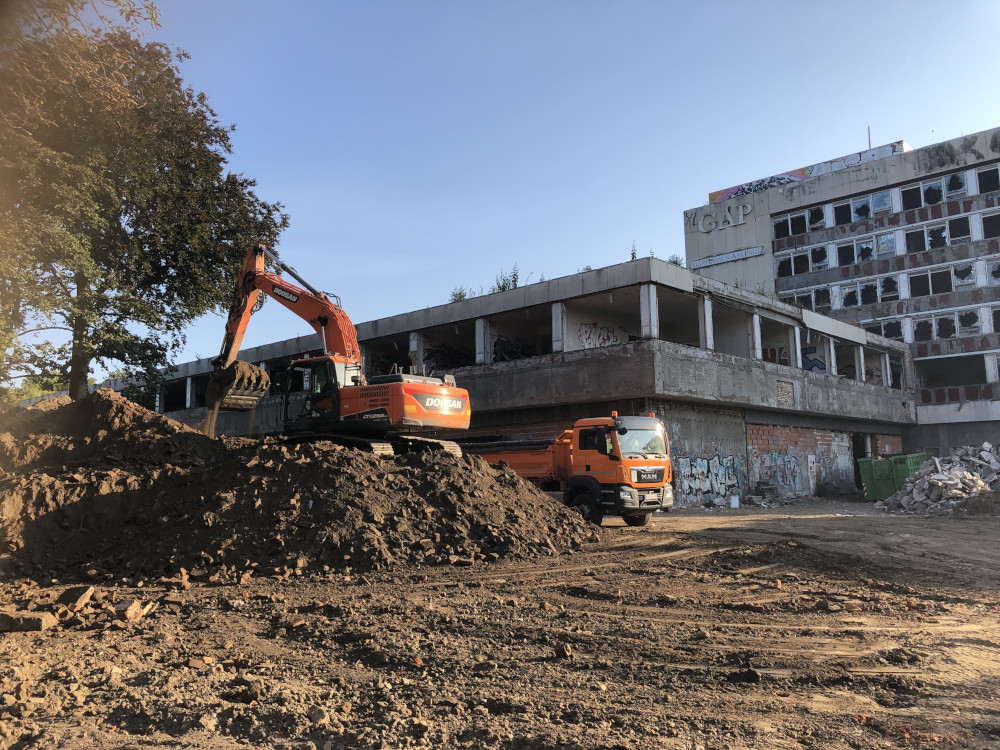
620 466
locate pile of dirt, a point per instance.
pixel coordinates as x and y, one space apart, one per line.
105 485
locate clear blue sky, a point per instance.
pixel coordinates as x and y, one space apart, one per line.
422 145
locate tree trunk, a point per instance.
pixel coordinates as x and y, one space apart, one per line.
79 361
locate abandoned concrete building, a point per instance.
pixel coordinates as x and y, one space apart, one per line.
902 242
752 390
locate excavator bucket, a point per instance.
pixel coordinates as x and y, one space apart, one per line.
237 387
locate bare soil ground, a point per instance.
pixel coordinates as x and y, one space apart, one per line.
821 624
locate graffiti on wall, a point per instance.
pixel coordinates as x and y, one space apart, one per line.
811 363
592 335
776 355
797 472
704 480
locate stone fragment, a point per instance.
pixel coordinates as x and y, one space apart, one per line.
11 622
76 598
130 610
564 651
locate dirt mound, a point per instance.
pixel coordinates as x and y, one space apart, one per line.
105 484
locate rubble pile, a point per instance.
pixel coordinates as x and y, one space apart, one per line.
103 484
942 485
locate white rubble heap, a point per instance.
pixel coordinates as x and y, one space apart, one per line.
942 483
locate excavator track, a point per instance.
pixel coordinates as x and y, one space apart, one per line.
381 447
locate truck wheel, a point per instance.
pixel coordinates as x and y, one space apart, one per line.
587 506
640 520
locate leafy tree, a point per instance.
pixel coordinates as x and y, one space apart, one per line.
118 219
458 294
676 259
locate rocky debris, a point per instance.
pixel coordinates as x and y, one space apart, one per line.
105 484
942 485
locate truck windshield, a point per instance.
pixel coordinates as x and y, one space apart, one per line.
643 442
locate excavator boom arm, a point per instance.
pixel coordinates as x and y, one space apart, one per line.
327 318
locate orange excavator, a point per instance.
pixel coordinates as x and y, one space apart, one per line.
336 401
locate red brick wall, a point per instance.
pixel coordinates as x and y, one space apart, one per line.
887 445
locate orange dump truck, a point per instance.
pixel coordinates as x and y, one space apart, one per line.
603 466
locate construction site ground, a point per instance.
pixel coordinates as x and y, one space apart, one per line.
822 624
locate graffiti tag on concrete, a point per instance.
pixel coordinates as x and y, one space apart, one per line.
700 479
593 335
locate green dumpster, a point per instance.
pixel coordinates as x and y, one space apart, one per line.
905 466
865 469
877 476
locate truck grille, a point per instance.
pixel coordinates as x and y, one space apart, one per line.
650 475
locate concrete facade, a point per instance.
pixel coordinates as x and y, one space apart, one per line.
642 336
901 242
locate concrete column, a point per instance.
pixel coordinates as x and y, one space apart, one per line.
831 356
868 445
757 352
706 331
484 341
907 330
558 327
886 370
649 312
992 371
795 348
859 363
417 352
188 393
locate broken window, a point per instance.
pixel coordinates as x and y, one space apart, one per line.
850 296
911 198
861 208
822 304
885 244
991 226
937 236
968 322
923 330
869 293
788 300
881 202
989 180
955 184
817 218
920 285
915 241
876 329
784 267
996 319
945 327
817 256
805 301
889 288
800 264
958 230
993 276
893 329
842 214
965 274
781 228
941 281
932 193
865 249
845 255
798 224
